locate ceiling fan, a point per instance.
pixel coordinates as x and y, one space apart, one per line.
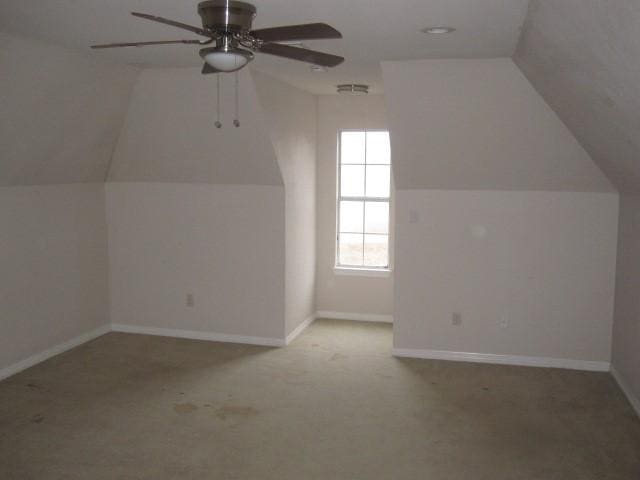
226 24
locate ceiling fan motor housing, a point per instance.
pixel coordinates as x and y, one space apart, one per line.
226 15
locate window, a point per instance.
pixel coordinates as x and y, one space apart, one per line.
364 190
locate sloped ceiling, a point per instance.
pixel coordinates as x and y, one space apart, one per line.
169 133
479 125
583 56
60 113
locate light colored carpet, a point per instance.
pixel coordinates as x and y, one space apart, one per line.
333 405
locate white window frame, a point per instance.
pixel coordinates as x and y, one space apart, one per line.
374 271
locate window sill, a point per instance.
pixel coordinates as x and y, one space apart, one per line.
363 272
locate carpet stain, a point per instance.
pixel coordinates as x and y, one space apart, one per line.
237 411
39 418
288 374
185 407
338 356
34 386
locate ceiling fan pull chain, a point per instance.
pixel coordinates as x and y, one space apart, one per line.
236 122
218 123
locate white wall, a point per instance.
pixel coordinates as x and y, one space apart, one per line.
292 126
53 280
195 209
582 56
626 327
224 244
61 113
339 293
542 262
502 217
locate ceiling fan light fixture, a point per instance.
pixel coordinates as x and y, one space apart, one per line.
228 23
353 89
226 59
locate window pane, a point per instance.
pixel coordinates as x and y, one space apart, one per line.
378 180
352 181
351 217
350 249
376 250
376 217
378 149
352 147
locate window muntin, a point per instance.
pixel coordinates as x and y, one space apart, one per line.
364 191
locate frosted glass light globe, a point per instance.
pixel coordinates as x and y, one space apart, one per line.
229 61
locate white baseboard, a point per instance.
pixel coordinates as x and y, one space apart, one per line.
504 359
299 329
358 317
196 335
624 386
53 351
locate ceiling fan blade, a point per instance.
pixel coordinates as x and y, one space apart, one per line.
173 23
143 44
209 69
301 54
309 31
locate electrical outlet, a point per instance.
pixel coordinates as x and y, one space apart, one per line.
190 302
456 319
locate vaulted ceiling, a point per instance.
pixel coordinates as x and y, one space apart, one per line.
583 56
373 31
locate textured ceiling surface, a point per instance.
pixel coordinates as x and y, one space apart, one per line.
373 31
583 56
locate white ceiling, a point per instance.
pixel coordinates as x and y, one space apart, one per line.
583 56
373 31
